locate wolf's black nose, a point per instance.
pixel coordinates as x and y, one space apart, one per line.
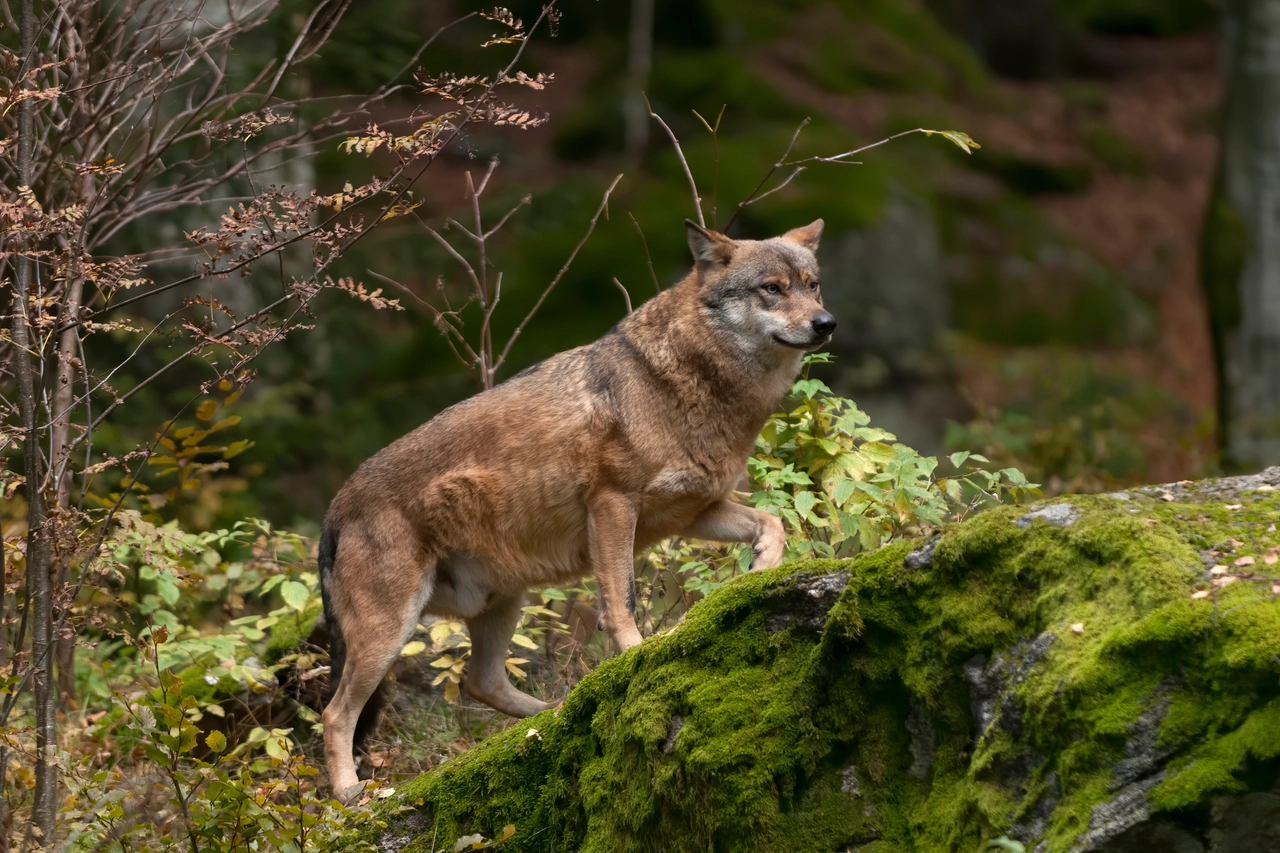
823 324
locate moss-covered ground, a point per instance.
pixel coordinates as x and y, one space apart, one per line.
1026 677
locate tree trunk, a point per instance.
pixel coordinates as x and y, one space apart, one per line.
639 61
1242 238
63 397
44 804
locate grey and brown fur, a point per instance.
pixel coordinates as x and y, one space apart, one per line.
569 468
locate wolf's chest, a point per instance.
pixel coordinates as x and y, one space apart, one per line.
674 496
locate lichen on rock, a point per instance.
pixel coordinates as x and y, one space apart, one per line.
1043 675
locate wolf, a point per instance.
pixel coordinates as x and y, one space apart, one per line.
569 468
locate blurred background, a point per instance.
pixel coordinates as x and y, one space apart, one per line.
1060 299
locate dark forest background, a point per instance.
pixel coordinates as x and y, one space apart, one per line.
1041 300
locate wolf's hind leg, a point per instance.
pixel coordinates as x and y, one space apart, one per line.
726 521
491 633
377 597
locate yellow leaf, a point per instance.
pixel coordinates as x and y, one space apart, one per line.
523 641
417 647
508 831
206 410
443 662
224 423
236 448
451 692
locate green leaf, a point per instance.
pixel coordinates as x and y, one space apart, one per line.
958 458
295 595
804 502
959 137
277 747
1006 843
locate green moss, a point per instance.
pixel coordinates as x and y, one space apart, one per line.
726 735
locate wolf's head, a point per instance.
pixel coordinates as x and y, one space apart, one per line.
765 293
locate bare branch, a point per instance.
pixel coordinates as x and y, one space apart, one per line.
697 199
657 288
604 203
767 175
625 295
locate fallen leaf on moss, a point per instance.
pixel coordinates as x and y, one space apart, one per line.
1271 557
1224 581
1235 506
1244 561
1166 497
1077 628
1200 593
1218 570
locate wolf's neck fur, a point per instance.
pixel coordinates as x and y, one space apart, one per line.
704 364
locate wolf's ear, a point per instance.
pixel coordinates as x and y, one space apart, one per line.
808 236
710 248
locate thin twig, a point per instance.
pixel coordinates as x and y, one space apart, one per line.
604 203
657 288
767 175
697 199
625 295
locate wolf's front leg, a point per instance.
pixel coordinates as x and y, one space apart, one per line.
611 535
726 521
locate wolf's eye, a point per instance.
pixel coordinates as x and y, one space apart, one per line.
772 288
813 286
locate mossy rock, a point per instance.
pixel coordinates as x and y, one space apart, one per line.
1044 676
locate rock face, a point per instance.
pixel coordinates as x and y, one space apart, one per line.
1042 676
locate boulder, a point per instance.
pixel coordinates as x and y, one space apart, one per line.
1092 673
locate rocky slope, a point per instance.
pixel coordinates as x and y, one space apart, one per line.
1092 674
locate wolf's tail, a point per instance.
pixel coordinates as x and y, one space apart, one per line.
368 720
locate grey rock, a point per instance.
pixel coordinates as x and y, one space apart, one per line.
922 557
924 742
804 603
1159 835
404 831
1119 496
1034 822
1249 822
849 782
991 685
1142 755
1128 808
1059 515
1223 488
677 723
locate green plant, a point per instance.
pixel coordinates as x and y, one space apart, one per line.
840 485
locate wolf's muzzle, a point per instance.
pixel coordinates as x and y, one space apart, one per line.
823 324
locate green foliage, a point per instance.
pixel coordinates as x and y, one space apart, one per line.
842 487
